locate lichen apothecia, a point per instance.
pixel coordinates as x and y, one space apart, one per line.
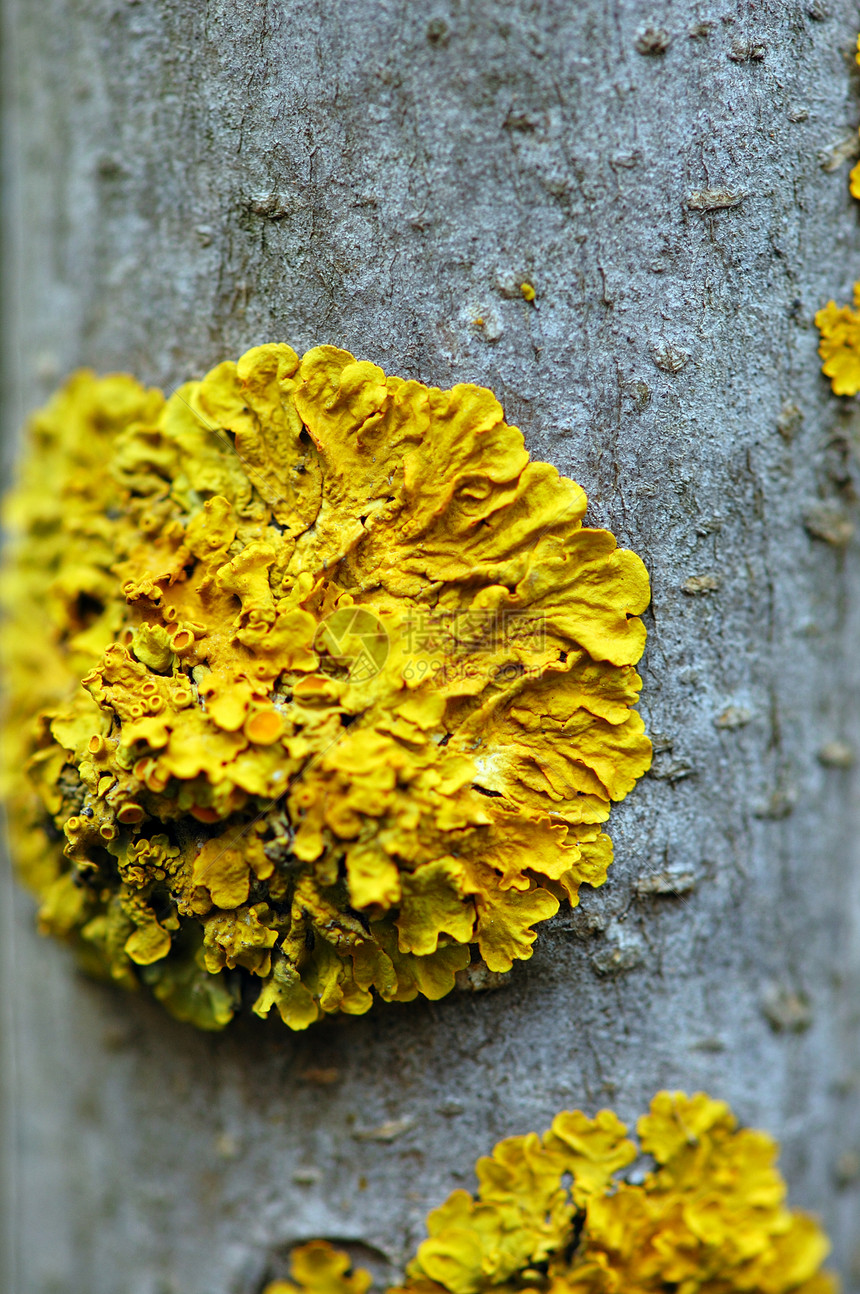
317 686
702 1212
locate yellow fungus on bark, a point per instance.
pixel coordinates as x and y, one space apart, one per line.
560 1214
314 680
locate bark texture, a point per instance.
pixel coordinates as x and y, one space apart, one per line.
185 180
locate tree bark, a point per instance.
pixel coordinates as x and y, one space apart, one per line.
186 180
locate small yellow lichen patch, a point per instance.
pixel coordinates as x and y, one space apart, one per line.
528 291
315 681
840 325
840 344
317 1268
855 173
555 1215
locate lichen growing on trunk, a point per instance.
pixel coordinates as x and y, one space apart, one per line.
839 326
703 1213
317 683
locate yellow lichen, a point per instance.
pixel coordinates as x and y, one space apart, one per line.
315 681
840 344
317 1268
855 172
840 325
556 1215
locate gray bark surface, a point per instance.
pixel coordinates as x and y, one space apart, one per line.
185 180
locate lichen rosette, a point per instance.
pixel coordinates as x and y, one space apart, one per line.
316 685
702 1212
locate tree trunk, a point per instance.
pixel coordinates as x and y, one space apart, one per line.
186 180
